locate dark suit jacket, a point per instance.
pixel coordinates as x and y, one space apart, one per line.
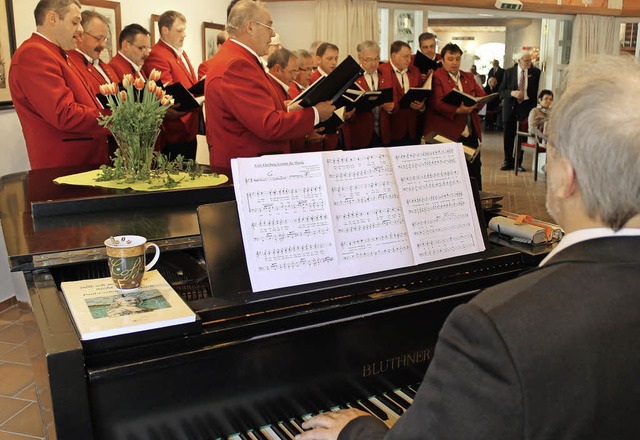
510 83
245 115
56 107
442 117
163 58
553 354
498 74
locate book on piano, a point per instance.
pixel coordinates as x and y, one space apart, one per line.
322 216
100 311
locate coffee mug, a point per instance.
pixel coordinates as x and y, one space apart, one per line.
127 260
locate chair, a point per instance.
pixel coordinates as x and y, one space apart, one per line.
523 133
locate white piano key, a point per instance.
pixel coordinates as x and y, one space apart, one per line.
270 433
393 416
286 430
404 395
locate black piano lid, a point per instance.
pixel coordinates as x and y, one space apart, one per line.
231 286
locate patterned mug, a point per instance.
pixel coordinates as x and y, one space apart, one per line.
127 260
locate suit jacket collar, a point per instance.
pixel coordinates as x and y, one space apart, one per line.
613 249
188 68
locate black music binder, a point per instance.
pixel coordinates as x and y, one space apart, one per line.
332 86
182 96
424 63
414 94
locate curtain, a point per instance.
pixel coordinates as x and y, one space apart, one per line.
346 23
593 35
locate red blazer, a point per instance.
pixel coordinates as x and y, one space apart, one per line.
294 90
122 66
89 72
358 130
56 108
202 70
330 141
402 121
245 115
172 69
441 116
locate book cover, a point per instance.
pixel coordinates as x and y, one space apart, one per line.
321 216
334 122
198 88
99 310
456 97
424 63
414 94
182 96
374 98
333 85
470 153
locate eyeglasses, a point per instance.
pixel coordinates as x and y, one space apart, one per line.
265 25
141 48
98 39
371 60
308 69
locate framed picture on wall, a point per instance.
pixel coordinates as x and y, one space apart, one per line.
111 10
7 47
153 28
209 34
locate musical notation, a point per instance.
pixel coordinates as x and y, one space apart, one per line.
353 212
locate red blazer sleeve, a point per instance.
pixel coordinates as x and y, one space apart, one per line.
248 98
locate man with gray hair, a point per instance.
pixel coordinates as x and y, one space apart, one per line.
245 115
54 103
555 353
91 42
519 92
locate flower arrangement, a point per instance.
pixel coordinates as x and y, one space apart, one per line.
136 115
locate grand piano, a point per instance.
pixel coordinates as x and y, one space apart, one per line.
254 365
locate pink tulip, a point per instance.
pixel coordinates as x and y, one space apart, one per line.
151 86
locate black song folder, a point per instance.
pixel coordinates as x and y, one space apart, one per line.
424 63
414 94
332 86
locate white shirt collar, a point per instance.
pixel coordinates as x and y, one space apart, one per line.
134 65
86 57
176 50
284 86
248 48
322 72
396 70
588 234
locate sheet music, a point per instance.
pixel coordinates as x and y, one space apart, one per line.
319 216
438 204
285 219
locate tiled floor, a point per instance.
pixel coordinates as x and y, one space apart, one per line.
19 413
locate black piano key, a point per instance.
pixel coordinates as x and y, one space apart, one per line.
403 396
409 389
243 436
270 434
398 401
259 435
391 414
390 404
282 431
370 407
293 426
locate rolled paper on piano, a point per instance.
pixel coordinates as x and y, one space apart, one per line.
518 231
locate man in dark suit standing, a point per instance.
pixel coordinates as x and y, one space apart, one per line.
496 72
519 91
555 353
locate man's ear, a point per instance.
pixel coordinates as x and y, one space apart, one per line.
51 17
568 183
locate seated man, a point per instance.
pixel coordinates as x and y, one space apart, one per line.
553 354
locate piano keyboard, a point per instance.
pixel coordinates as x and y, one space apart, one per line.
387 407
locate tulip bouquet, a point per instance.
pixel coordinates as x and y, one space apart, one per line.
136 115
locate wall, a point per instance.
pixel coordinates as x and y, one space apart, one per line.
295 22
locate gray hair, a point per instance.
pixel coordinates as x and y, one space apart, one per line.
367 45
280 57
89 15
241 13
595 125
60 7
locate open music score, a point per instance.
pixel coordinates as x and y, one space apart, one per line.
313 217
